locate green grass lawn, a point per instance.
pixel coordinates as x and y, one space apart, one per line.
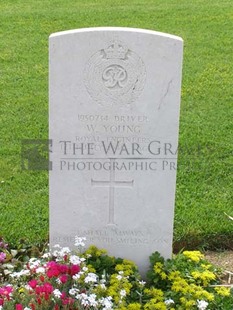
205 174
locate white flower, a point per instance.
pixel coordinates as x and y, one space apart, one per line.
84 299
58 281
123 293
75 260
77 276
91 277
46 255
103 280
79 241
85 269
202 304
57 293
20 273
106 302
64 251
169 302
73 291
119 277
33 259
142 283
103 286
34 263
40 270
28 287
61 252
92 300
26 308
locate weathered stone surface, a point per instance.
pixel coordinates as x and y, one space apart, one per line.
114 116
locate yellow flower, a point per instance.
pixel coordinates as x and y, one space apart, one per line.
207 295
134 306
206 276
206 266
223 291
174 275
127 267
180 285
94 251
91 268
187 303
195 256
163 275
22 290
155 293
154 305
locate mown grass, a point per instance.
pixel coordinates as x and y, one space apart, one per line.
204 181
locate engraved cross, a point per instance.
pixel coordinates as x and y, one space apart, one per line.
112 184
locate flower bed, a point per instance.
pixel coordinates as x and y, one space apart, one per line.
91 279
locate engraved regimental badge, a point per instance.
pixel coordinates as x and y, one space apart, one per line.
115 75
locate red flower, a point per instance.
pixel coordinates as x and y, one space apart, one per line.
53 272
63 278
47 288
18 307
63 295
68 301
38 290
33 306
39 301
65 257
63 268
42 278
74 269
32 283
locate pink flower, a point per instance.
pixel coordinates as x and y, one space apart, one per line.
53 269
6 290
63 278
63 295
48 288
32 283
63 268
3 244
68 301
74 269
52 264
18 307
2 256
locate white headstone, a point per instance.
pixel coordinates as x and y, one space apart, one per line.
114 116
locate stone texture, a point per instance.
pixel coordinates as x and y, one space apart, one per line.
114 116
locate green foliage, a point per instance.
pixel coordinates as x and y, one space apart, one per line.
188 277
185 282
204 178
102 263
